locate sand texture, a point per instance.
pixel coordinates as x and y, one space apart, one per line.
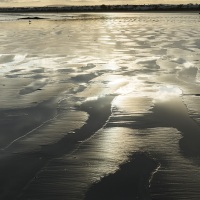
100 106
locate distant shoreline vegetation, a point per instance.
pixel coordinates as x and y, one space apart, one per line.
106 8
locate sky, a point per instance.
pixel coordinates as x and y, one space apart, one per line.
13 3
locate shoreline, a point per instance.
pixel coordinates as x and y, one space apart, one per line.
142 11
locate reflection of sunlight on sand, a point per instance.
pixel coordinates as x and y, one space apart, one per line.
110 141
137 99
118 81
133 104
111 65
94 98
165 93
130 87
125 85
10 61
188 64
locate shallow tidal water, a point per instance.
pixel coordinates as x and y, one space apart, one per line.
100 106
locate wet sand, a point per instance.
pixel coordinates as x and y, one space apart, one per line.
131 181
100 104
28 164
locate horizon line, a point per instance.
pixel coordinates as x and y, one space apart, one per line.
57 6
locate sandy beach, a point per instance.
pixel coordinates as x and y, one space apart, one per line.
99 106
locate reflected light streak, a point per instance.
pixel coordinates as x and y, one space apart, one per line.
112 65
133 104
118 81
134 86
94 98
188 64
109 143
166 93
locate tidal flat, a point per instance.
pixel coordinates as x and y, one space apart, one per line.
97 106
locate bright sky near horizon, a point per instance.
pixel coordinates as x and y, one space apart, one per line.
11 3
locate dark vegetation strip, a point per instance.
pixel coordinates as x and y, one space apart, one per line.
107 8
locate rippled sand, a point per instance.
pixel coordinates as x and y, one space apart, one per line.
88 98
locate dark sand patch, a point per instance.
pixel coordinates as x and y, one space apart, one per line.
84 77
131 181
175 114
6 59
18 171
17 122
33 87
